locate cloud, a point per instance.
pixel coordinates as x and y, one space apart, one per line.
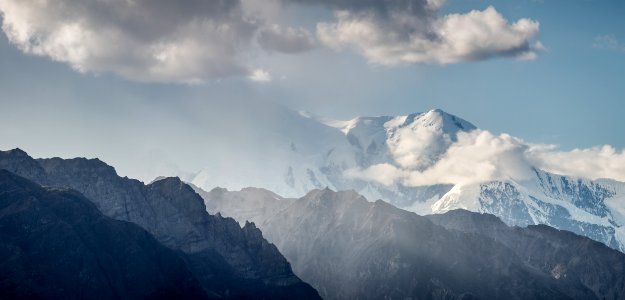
608 42
286 40
260 75
594 163
144 40
191 41
418 147
476 156
480 156
395 35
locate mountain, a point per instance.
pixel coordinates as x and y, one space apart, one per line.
559 253
306 152
233 261
57 245
301 152
350 248
590 208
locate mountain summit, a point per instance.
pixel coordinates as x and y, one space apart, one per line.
367 154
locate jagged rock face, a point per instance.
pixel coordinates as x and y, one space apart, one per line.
57 245
171 211
349 248
564 255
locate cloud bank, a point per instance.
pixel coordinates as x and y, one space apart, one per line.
480 156
190 41
594 163
400 35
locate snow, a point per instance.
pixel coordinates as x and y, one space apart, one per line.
299 152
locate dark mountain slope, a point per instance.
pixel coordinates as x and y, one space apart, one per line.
55 244
236 262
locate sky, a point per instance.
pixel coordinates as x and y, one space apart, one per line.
117 79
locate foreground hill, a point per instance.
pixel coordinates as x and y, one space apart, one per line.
226 259
57 245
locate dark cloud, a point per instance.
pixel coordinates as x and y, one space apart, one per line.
407 32
286 40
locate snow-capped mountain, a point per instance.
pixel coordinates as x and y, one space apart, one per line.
590 208
303 152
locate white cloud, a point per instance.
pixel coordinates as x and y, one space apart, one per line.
404 38
144 40
480 156
260 75
476 156
417 147
594 163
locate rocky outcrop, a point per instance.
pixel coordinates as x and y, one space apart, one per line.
55 244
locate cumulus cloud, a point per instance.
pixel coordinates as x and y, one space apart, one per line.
480 156
185 41
191 41
418 147
286 40
403 36
145 40
476 156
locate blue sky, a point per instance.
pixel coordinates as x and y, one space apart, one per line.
572 94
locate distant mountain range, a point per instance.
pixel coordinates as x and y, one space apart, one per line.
350 248
311 152
73 227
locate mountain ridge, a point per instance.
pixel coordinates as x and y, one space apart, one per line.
177 217
349 247
56 244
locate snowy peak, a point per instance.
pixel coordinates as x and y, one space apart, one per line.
313 152
417 141
438 120
386 139
590 208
